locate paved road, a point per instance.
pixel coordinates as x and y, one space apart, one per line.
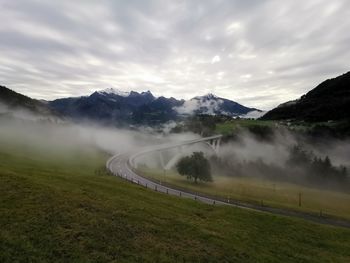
120 165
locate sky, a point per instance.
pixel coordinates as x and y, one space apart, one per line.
258 53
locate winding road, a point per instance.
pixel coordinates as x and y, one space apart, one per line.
121 165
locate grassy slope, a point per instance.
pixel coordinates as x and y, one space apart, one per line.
229 127
253 190
54 209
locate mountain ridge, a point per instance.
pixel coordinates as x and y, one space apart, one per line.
12 101
112 105
115 107
330 100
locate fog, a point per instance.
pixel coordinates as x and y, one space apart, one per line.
285 156
48 134
282 156
247 147
246 155
337 150
169 157
19 113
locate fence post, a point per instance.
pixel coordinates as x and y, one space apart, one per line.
299 198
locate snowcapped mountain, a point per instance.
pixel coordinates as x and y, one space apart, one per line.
213 105
114 91
109 106
120 107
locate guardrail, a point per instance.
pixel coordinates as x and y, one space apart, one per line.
131 175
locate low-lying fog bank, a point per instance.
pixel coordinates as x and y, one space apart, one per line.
47 135
285 156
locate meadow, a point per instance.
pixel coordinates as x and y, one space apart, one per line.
59 204
231 126
262 191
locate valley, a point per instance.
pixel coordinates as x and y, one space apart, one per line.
64 206
132 149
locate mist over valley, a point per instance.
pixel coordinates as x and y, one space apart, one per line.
174 131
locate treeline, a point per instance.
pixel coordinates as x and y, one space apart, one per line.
202 124
338 130
205 125
316 166
302 167
330 100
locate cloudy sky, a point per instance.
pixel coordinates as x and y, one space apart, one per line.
259 53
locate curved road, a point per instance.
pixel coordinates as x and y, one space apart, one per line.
121 165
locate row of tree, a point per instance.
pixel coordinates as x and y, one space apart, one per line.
316 166
302 167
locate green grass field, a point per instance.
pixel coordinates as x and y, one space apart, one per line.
257 191
231 126
58 205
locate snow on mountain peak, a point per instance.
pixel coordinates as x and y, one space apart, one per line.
209 96
115 92
207 104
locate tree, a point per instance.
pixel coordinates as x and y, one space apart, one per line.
195 167
299 156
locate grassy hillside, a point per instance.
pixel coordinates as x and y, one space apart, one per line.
229 127
330 100
61 206
258 190
14 100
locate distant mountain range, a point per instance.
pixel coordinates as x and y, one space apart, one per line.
118 107
114 107
330 100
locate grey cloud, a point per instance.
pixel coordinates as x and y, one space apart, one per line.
269 51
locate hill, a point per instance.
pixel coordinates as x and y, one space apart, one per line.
61 206
11 101
330 100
